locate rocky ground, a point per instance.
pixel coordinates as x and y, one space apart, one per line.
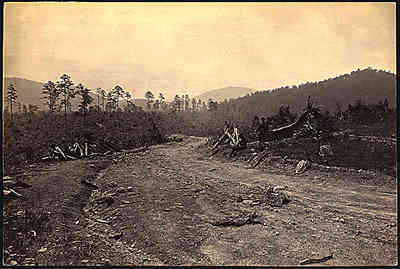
172 204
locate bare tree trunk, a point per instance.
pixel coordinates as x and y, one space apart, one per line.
11 110
65 112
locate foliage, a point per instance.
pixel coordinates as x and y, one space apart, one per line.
86 98
111 104
103 98
117 93
64 87
11 96
187 102
51 95
125 130
372 85
212 105
149 96
177 103
99 93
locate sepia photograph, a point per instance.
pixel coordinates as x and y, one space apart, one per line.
199 134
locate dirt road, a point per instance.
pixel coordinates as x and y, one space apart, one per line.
172 205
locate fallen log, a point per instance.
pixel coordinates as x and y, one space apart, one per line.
263 155
11 192
70 157
58 150
75 149
9 183
288 130
312 261
15 183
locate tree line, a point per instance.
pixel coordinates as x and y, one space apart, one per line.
331 94
58 97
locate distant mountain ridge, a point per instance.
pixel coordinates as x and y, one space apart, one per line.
28 91
220 95
369 85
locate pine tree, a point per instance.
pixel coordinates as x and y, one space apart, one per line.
98 93
194 104
11 97
111 102
24 109
117 92
177 103
187 102
103 94
64 87
129 102
51 95
86 98
149 96
162 101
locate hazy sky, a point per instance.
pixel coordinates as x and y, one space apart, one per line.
195 47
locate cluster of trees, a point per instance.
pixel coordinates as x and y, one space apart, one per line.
179 103
58 96
361 113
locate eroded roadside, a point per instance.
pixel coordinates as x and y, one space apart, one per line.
45 226
172 205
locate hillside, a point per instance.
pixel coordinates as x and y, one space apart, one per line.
29 92
220 95
369 85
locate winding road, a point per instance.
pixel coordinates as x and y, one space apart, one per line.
173 205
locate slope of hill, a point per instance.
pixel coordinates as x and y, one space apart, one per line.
368 85
28 91
220 95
